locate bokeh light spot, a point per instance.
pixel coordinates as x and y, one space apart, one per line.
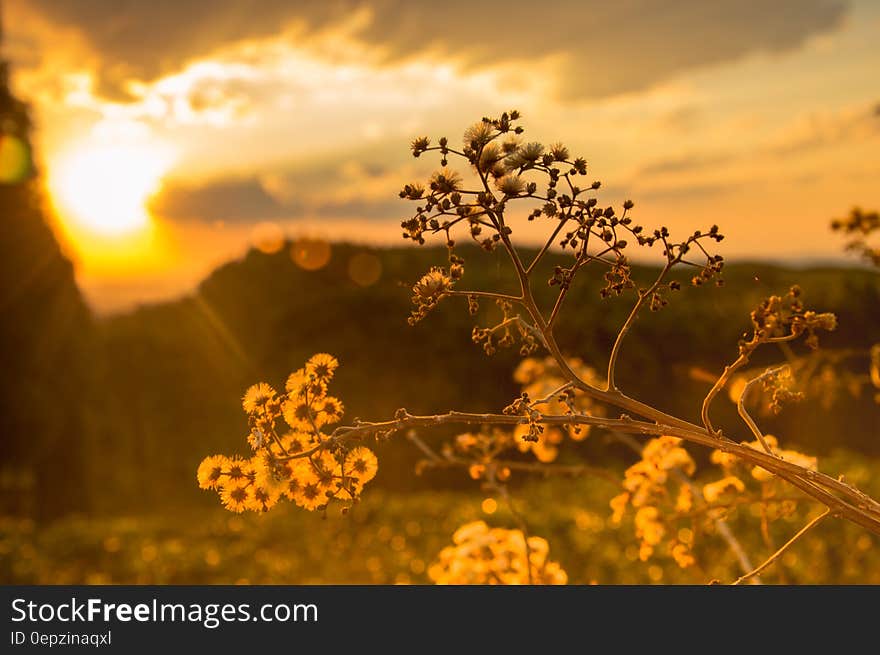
364 269
267 237
15 159
490 505
310 254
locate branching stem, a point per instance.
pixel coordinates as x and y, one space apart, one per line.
788 544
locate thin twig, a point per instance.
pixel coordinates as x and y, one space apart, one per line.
788 544
741 404
521 522
633 315
717 387
550 396
490 295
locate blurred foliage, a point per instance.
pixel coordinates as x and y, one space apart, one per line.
128 405
176 370
394 538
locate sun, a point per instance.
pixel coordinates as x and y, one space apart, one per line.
104 188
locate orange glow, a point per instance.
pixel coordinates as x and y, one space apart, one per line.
310 254
102 189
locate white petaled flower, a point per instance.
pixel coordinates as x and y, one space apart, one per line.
511 185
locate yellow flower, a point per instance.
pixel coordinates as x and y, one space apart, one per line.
684 502
480 555
667 454
271 473
618 505
361 465
469 531
235 496
238 469
301 474
262 499
257 397
682 555
476 471
800 459
294 442
301 384
329 410
466 441
553 574
724 460
325 468
713 491
478 134
648 526
310 496
431 285
292 488
211 470
545 449
322 366
299 415
511 185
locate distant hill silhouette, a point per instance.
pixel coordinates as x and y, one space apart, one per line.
177 369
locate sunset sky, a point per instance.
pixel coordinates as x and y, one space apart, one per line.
171 134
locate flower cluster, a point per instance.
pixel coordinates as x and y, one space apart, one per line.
671 509
659 479
481 450
434 285
543 387
505 172
779 389
428 291
734 468
292 457
543 393
784 318
506 332
858 226
484 555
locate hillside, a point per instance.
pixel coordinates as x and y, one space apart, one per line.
176 370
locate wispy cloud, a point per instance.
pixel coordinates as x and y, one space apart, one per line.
595 49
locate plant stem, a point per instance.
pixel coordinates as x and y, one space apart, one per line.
615 350
788 544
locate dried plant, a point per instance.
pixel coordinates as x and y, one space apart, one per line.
859 226
297 455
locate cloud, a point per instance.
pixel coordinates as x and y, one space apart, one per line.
233 200
806 133
818 130
364 184
354 188
685 164
593 49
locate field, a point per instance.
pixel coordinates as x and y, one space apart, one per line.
392 538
